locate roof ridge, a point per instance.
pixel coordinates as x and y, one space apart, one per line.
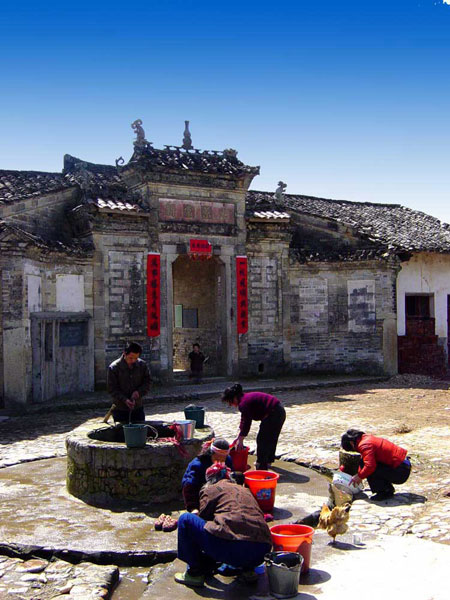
356 202
31 171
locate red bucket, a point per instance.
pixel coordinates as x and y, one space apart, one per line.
239 458
294 538
263 486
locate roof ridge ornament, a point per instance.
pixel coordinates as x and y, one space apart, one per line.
230 153
140 141
119 164
279 192
83 175
187 140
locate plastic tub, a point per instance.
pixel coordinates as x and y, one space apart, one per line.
239 458
294 538
343 481
263 485
196 413
135 435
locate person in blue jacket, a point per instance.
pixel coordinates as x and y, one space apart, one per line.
195 475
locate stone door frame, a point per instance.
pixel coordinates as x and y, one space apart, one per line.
170 257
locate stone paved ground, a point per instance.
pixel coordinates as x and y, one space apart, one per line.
38 579
412 411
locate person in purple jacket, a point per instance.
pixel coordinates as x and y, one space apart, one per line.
257 406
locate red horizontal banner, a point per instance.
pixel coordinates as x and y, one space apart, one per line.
242 294
153 295
200 247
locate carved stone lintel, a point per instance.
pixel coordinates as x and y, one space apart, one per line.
187 140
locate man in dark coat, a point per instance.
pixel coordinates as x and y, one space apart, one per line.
197 359
128 382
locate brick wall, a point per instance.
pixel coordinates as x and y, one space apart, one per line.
119 278
337 314
419 350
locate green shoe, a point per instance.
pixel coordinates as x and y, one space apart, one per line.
192 580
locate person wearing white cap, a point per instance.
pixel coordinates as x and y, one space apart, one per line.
217 450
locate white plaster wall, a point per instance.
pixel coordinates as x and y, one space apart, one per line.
34 293
70 293
15 382
425 273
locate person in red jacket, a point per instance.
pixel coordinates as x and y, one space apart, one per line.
382 462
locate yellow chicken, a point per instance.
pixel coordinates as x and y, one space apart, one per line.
334 521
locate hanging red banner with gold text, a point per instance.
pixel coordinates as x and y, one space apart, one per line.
153 294
242 296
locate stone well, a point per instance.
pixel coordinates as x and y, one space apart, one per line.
102 471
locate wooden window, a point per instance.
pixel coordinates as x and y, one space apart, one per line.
418 306
186 317
178 315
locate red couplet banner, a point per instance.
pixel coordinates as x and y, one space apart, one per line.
153 294
242 296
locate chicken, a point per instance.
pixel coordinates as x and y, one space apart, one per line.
334 521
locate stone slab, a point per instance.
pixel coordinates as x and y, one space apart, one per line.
404 568
37 510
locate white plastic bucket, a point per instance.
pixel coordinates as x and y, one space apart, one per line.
342 480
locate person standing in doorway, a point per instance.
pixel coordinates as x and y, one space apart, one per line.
128 382
257 406
197 359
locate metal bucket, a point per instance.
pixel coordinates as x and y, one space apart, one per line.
135 435
187 427
283 570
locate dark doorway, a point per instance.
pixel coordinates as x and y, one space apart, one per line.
199 313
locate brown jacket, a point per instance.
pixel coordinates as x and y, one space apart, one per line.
232 513
123 381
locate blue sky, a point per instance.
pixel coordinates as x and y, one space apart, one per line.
341 99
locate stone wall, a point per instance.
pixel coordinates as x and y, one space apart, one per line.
108 473
29 286
267 251
338 316
45 215
227 240
119 278
2 390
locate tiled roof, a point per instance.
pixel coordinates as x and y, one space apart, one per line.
391 225
114 205
101 176
198 161
19 185
46 245
271 215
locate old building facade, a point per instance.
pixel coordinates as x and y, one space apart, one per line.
172 248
